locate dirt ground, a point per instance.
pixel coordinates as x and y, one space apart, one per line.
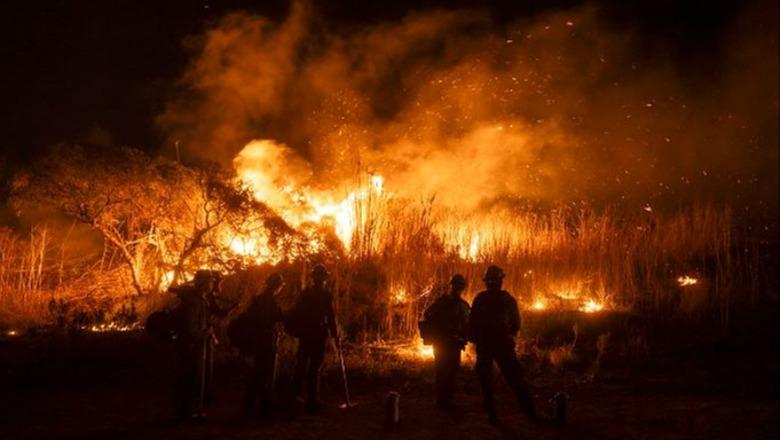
117 387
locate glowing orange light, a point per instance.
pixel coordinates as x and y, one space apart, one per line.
166 279
567 294
687 280
112 327
415 350
470 252
279 180
592 306
399 296
424 352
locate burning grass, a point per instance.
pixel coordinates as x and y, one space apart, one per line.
390 256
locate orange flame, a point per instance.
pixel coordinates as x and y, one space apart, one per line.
686 280
592 306
539 304
279 180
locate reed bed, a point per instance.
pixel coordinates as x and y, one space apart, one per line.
402 254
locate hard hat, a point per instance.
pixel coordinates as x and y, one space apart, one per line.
274 280
493 273
319 272
458 280
203 275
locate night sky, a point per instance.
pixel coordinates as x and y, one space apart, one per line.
73 66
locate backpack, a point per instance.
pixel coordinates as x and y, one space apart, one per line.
431 326
159 324
240 332
295 322
427 331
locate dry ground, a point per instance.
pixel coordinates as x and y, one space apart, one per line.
116 386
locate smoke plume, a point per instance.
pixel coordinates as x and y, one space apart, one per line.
556 108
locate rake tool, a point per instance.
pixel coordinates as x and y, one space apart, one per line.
347 401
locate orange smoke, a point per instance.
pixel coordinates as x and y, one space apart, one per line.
448 104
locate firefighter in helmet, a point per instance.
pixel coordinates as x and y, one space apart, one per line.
312 320
493 325
260 330
448 320
191 328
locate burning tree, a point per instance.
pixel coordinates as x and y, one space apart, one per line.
163 219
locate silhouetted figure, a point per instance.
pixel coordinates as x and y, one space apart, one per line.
448 319
262 319
494 322
192 333
219 308
311 320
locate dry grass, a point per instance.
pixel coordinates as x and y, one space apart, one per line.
35 273
403 254
561 258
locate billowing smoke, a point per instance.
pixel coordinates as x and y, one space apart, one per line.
558 108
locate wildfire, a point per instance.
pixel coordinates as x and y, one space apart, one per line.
686 280
279 180
424 352
398 296
471 252
592 306
254 248
415 350
167 279
539 304
112 327
344 213
568 294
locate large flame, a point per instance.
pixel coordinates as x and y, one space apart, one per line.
276 176
279 179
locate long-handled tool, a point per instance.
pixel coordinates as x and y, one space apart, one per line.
202 385
347 401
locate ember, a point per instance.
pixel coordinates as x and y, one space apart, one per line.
687 280
424 351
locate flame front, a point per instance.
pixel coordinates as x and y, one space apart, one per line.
279 179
